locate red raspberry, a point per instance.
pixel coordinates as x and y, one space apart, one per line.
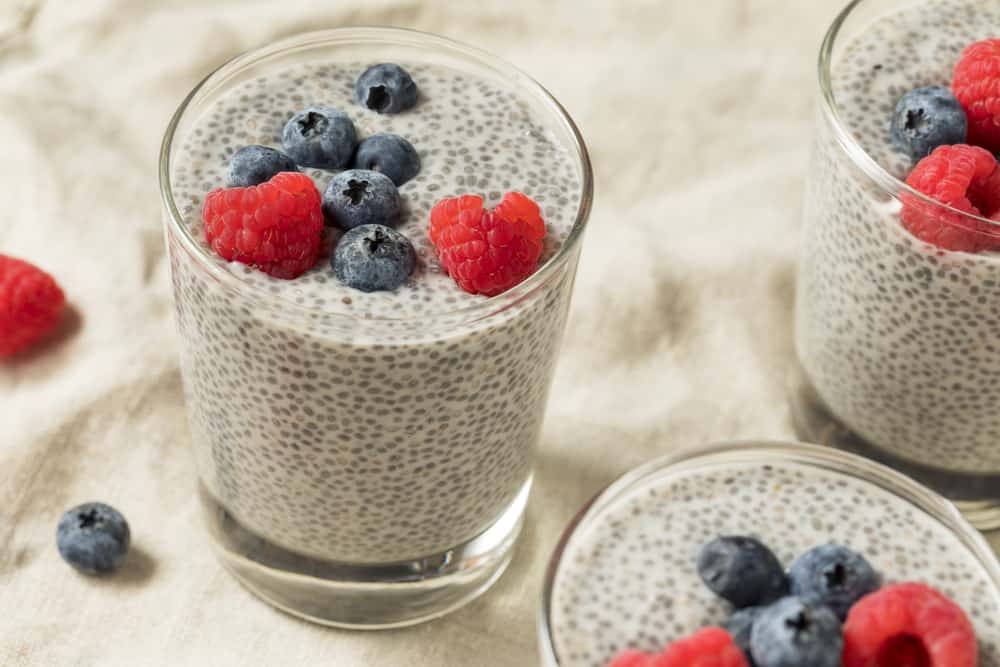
30 305
711 647
276 226
910 625
976 84
965 178
487 252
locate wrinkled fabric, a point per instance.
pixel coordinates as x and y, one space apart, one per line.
699 125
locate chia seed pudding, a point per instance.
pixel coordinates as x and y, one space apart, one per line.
627 576
372 427
898 337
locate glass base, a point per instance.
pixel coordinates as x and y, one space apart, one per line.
365 597
976 496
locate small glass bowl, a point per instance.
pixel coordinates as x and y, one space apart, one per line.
796 486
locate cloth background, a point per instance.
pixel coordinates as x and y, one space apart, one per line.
698 117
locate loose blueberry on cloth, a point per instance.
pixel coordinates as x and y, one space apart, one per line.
93 538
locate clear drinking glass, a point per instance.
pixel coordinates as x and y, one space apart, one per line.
424 519
897 337
623 575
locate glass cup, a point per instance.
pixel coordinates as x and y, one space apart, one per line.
896 337
623 575
424 517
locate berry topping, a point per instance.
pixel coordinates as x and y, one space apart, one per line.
93 538
976 84
386 88
965 178
320 137
389 154
31 304
740 628
253 165
276 226
711 647
742 570
832 576
910 625
373 257
926 118
360 197
487 252
792 633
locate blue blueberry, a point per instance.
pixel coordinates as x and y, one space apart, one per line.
386 88
926 118
742 570
389 154
792 633
320 137
740 627
833 576
93 538
360 197
253 165
372 258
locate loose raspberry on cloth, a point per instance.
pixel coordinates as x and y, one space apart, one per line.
31 304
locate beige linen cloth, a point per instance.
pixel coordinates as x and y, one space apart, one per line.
698 116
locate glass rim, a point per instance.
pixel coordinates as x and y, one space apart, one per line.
861 158
389 36
927 501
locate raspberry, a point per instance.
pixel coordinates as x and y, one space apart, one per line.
711 647
487 252
30 305
276 226
517 206
976 84
910 625
965 178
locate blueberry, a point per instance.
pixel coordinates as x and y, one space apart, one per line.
926 118
740 626
253 165
742 570
792 633
360 197
320 137
372 258
833 576
389 154
386 88
93 538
